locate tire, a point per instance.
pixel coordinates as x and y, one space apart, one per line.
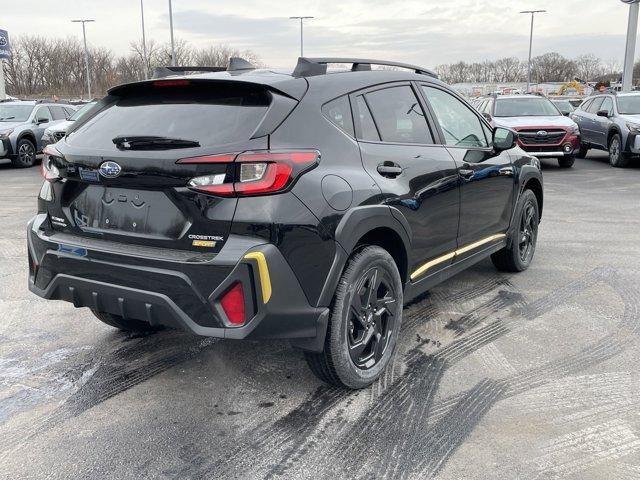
120 323
518 254
566 162
347 360
25 155
582 152
617 158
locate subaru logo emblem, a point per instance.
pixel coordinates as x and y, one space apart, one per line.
110 169
542 133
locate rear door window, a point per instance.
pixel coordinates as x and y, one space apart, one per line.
209 113
399 116
338 112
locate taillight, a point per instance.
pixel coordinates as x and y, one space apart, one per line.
253 173
233 304
48 167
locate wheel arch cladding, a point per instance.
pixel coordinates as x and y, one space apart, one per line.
377 225
29 136
535 186
387 239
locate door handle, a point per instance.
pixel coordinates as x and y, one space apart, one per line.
466 173
389 170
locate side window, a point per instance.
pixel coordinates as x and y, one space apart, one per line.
461 127
368 130
338 112
607 105
43 112
595 105
399 116
58 113
69 111
584 106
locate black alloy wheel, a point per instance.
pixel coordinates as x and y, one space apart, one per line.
371 318
528 233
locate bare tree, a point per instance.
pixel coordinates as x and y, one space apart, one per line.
588 67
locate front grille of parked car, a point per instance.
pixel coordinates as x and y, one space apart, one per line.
541 136
58 135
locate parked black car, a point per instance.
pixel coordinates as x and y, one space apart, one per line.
253 204
610 122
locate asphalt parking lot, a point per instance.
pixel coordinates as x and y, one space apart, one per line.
534 375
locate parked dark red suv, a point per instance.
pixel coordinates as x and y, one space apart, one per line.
542 129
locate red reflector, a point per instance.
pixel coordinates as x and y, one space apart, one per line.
233 304
222 158
170 83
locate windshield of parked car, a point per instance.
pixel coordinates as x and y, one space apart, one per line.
81 111
564 105
525 107
629 105
15 113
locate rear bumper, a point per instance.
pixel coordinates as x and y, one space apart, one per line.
173 289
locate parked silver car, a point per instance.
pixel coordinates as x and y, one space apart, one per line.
22 124
56 132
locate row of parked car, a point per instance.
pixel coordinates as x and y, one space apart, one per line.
556 129
26 127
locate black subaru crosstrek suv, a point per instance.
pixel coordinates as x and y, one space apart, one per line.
252 204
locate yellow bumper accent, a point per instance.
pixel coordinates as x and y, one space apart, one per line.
448 256
263 272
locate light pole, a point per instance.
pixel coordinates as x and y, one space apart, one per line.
173 46
86 52
630 50
144 43
533 13
302 19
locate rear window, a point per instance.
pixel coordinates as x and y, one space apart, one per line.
210 114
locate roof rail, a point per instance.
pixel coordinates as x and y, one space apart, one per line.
235 64
309 67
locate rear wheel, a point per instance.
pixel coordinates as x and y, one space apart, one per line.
566 162
517 256
25 154
365 321
617 158
126 325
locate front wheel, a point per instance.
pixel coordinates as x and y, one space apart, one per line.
617 158
566 162
582 152
365 321
517 255
26 154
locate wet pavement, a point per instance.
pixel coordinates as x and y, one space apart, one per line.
531 375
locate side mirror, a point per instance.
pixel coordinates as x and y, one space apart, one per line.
504 139
603 113
566 114
42 120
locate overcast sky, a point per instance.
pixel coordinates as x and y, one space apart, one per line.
426 32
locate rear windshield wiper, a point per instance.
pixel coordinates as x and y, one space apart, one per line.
141 142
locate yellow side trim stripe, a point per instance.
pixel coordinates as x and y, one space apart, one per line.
263 272
448 256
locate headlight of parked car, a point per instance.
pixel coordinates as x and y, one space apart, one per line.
5 133
633 127
575 130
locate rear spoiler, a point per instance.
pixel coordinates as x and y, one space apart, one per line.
236 64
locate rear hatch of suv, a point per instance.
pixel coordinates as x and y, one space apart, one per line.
128 170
